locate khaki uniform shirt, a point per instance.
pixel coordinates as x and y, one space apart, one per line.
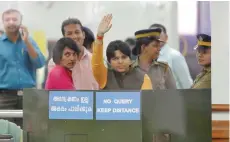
203 80
160 74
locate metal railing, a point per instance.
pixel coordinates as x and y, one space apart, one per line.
11 113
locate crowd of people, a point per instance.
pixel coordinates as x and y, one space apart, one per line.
77 61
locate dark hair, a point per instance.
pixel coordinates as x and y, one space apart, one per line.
61 45
117 45
11 11
131 41
143 41
89 38
68 22
162 27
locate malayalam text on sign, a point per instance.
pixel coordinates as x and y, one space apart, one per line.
70 105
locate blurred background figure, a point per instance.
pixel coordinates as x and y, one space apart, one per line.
131 42
89 39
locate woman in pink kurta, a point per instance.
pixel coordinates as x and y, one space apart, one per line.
64 56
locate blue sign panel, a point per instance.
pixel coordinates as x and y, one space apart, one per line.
118 106
70 105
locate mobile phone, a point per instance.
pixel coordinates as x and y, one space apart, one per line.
21 32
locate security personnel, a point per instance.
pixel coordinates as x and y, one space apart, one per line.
175 60
203 48
147 49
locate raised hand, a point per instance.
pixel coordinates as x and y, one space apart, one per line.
104 25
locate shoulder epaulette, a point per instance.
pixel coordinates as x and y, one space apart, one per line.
163 64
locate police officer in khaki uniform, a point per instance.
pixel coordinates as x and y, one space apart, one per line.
147 49
203 48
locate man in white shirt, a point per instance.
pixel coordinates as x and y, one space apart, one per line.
175 60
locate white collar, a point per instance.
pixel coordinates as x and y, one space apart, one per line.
164 49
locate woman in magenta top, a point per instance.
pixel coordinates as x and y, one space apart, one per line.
65 54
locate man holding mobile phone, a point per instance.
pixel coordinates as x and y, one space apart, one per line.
20 57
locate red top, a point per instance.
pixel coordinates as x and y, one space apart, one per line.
59 78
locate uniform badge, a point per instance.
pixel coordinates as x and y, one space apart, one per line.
200 38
